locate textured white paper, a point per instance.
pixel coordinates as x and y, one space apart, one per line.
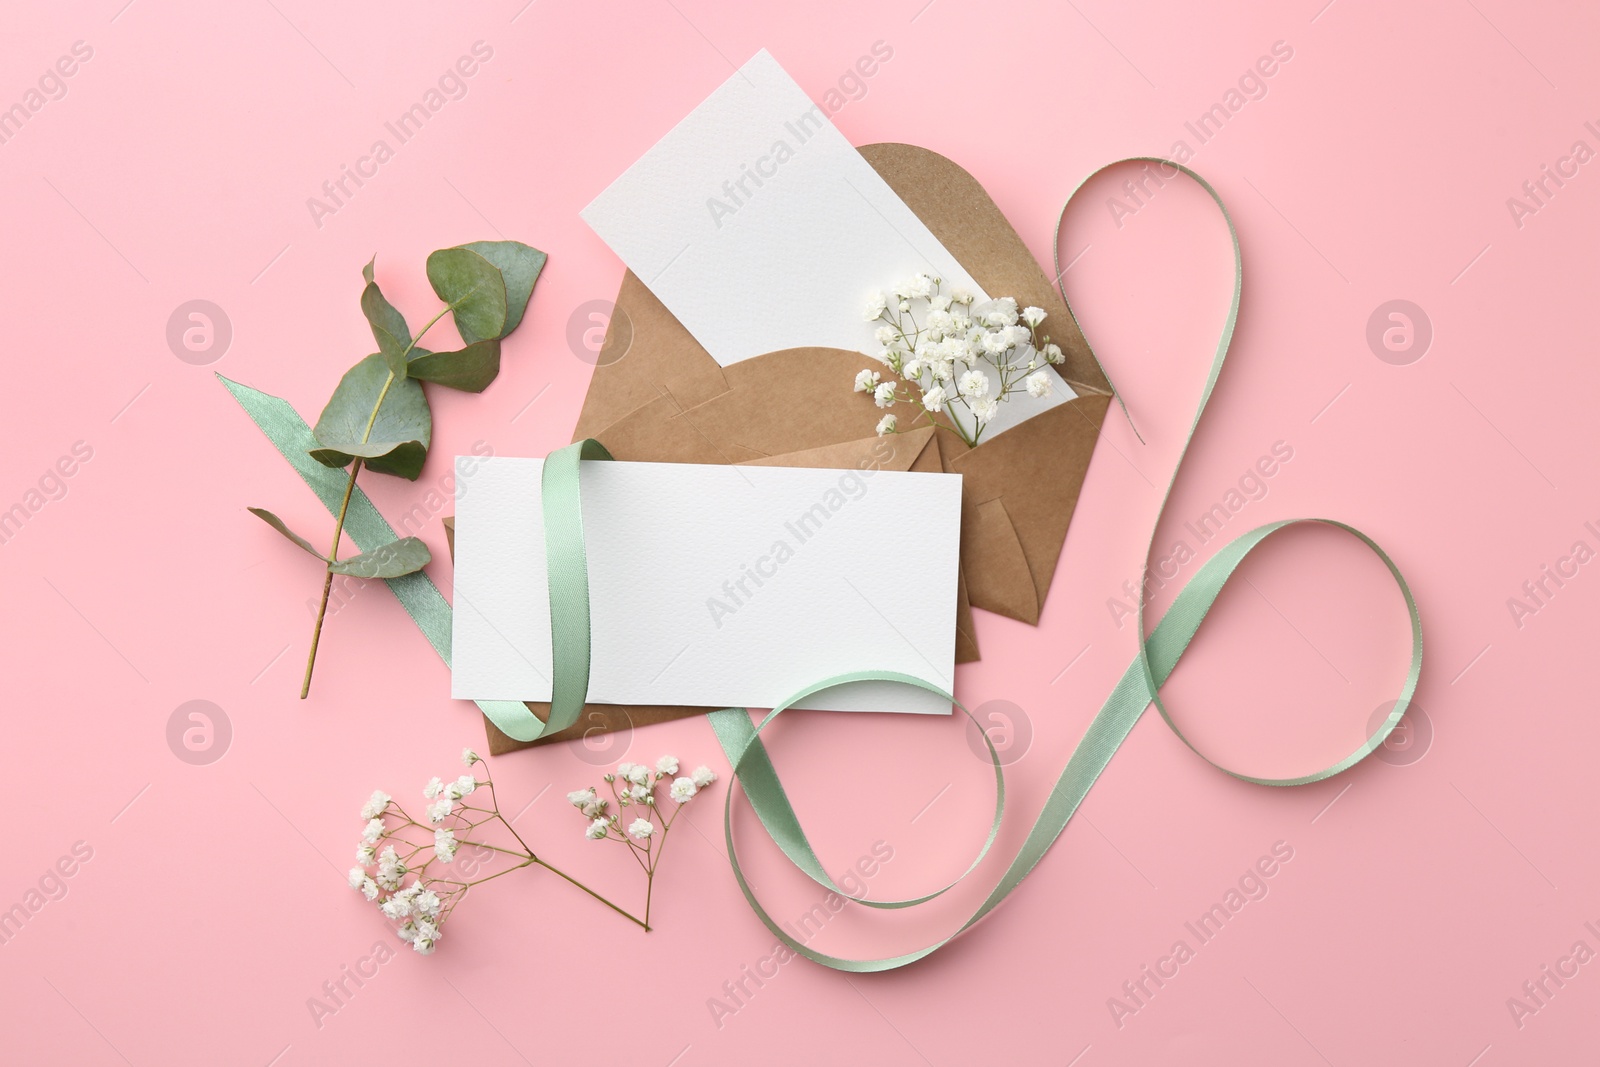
692 599
761 228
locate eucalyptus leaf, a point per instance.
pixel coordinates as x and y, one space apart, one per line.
470 369
388 325
474 289
392 560
400 433
395 361
519 267
278 524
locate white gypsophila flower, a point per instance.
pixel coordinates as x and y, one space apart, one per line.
942 370
639 792
407 932
624 769
667 765
961 295
702 776
597 829
975 384
469 757
921 286
440 809
683 789
958 349
427 904
1052 354
445 844
996 343
1032 316
883 395
933 399
423 946
374 807
433 788
581 798
914 368
465 785
639 774
939 302
366 854
1018 335
641 829
357 877
904 306
428 928
372 831
391 870
886 425
984 410
1039 385
885 335
994 313
877 304
940 322
867 381
396 908
369 889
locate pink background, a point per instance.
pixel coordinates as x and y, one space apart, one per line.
1422 893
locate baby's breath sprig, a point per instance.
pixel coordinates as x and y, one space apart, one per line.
396 846
634 785
945 358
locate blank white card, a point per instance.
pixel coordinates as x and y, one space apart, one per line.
714 586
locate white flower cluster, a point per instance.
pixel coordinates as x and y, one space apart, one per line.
421 905
946 357
634 784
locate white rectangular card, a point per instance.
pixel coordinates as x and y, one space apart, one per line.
761 228
713 586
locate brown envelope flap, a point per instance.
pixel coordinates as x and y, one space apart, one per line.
647 354
1034 469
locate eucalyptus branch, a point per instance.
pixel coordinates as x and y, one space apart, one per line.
378 417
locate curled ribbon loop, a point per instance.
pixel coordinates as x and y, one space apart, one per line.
1138 688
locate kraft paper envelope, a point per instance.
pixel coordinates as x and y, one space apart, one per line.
658 395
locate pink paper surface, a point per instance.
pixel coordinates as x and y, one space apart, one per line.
1376 165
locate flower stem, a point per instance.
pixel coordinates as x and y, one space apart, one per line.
627 915
344 507
327 584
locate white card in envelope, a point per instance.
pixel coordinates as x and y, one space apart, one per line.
761 228
714 586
